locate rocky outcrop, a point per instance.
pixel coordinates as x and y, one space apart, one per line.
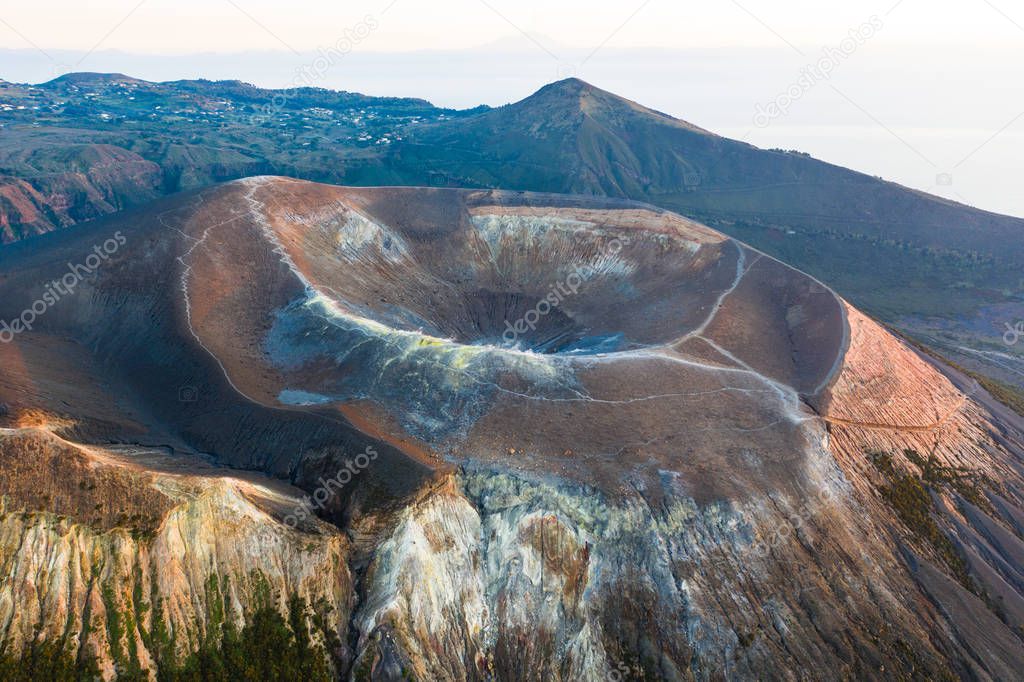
498 577
200 550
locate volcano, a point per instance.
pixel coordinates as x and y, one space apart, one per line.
479 434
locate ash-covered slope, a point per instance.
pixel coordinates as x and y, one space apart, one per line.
606 440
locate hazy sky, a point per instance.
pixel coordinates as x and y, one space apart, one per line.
231 25
926 93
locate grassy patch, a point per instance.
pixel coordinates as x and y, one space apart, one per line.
908 496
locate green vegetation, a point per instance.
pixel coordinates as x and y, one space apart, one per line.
363 669
964 481
120 634
1008 395
48 662
162 647
268 648
908 496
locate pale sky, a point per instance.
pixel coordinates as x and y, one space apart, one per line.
230 25
931 98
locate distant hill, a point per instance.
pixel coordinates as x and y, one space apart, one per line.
92 78
876 241
88 144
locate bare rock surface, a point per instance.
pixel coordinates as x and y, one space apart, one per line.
491 435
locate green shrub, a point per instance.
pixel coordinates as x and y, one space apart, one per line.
48 661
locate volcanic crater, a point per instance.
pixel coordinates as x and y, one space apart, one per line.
605 432
517 277
614 329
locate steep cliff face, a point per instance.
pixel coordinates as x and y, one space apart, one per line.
511 579
680 459
53 187
189 553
